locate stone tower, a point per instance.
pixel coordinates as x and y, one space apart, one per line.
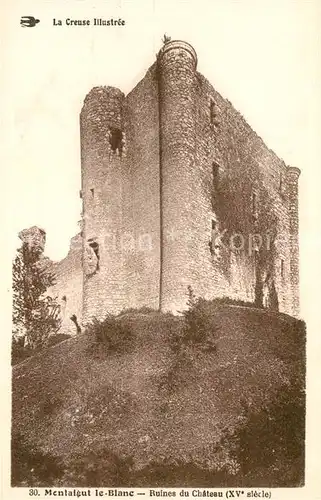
293 174
177 109
102 154
164 170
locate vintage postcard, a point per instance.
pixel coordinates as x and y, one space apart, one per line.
161 172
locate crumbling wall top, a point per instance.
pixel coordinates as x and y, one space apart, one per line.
294 171
175 45
96 94
34 236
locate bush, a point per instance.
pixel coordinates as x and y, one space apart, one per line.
199 323
33 312
269 443
98 468
232 302
112 333
140 310
31 467
198 330
177 374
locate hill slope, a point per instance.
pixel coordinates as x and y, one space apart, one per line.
155 415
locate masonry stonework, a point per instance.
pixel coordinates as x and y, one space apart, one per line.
179 191
68 287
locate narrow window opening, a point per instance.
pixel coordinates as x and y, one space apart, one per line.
214 241
212 112
95 247
282 185
254 202
80 194
116 140
64 298
92 192
215 175
254 205
215 249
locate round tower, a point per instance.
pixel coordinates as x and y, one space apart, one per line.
293 174
102 154
177 62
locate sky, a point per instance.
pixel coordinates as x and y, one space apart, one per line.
261 55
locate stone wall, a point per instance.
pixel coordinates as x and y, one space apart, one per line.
182 221
103 165
177 191
166 170
121 198
293 174
67 273
251 197
141 201
69 286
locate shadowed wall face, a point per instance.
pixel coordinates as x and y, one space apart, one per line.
226 211
253 202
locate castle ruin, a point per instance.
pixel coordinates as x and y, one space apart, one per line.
177 191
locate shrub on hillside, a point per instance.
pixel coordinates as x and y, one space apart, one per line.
269 443
232 302
35 315
98 468
31 467
178 373
200 328
113 334
139 310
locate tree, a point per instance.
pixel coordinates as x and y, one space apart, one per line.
35 314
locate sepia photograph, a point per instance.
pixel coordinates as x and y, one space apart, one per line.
160 241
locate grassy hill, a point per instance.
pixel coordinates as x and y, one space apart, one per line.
155 409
